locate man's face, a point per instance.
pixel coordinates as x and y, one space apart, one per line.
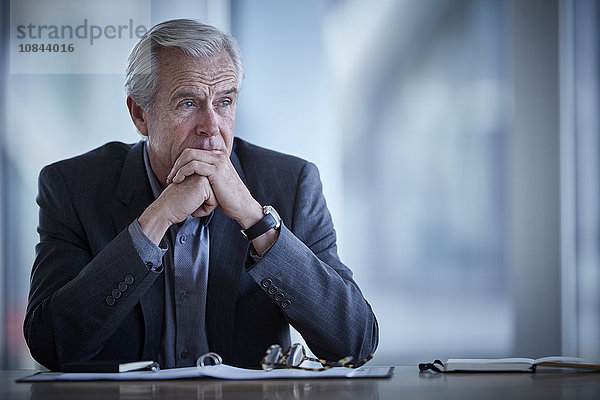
194 107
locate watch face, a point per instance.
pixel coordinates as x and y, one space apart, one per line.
271 210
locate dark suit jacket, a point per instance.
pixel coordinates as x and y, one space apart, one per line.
85 252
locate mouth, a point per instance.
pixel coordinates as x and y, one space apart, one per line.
211 149
214 150
212 146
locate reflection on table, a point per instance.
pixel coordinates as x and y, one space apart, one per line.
407 383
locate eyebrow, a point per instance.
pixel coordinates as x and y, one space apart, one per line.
195 94
232 91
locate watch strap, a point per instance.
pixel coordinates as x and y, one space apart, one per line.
266 223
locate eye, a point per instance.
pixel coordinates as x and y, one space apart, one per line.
187 104
225 103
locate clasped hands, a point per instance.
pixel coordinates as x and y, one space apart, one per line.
206 180
199 182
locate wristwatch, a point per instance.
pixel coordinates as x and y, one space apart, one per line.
271 220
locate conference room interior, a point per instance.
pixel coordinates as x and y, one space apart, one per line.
458 142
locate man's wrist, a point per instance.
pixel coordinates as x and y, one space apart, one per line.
265 241
154 224
270 220
150 254
252 216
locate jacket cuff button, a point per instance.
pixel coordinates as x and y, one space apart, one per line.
286 304
129 279
266 283
110 300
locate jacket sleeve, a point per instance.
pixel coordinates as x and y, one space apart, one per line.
303 274
77 299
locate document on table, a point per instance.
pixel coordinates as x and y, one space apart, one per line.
220 371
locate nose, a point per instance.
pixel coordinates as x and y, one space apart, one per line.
207 124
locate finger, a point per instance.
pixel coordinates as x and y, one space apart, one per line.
189 155
193 167
183 172
183 159
207 206
201 212
204 210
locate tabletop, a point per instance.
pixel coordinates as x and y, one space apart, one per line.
406 383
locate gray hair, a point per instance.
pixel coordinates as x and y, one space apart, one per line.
191 37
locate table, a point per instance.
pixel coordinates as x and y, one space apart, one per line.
407 383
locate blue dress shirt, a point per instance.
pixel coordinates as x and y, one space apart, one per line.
184 256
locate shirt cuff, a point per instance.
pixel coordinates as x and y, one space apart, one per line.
255 257
150 253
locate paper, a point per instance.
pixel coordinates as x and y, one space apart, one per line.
220 371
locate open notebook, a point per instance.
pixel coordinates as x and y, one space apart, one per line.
220 371
508 364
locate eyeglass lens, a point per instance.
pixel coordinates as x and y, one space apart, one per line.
274 354
295 355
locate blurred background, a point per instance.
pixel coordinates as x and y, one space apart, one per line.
457 140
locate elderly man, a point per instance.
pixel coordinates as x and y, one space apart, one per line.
141 254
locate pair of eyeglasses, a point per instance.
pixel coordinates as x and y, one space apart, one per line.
295 355
436 366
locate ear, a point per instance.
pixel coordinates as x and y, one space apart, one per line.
138 116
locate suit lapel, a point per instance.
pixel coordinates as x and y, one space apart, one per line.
228 252
132 196
133 192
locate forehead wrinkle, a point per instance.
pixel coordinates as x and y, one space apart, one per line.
204 74
201 83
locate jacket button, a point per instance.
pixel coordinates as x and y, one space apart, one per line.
272 289
266 283
286 304
278 297
122 286
110 300
129 279
116 293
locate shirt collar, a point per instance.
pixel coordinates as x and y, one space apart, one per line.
156 187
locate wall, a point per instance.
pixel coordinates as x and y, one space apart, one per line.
457 142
